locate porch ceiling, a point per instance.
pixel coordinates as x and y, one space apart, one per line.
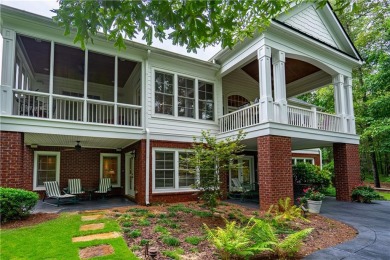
70 141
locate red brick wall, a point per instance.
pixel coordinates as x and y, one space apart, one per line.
347 169
274 169
316 157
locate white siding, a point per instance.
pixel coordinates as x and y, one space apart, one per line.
309 22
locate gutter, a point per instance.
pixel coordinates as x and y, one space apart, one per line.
147 166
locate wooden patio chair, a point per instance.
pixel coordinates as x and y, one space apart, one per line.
74 187
104 187
53 192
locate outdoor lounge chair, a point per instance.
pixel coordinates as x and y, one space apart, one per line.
53 192
74 187
104 187
237 187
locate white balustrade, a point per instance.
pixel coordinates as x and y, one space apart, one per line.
300 116
68 108
101 112
129 115
31 103
328 122
239 119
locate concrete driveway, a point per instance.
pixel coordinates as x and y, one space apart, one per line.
371 220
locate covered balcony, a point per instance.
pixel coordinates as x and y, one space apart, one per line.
63 83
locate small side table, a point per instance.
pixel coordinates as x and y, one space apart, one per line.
90 192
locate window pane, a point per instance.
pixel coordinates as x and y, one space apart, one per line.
164 170
110 169
206 101
46 168
163 101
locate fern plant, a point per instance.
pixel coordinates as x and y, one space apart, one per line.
289 246
285 211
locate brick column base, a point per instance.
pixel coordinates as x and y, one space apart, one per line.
274 169
346 169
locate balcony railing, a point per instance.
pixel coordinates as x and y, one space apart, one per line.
297 116
66 108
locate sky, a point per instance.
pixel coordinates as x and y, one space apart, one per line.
43 7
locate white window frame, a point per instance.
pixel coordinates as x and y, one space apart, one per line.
175 97
176 171
118 174
304 160
35 174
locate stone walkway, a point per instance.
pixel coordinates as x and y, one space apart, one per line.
96 250
373 224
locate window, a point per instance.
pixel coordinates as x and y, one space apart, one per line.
186 97
110 167
236 102
206 101
164 93
296 160
170 173
46 168
182 96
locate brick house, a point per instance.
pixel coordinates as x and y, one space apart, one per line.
129 115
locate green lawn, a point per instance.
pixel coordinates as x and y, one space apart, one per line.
53 240
385 195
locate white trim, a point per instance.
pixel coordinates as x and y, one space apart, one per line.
304 159
251 167
129 167
35 172
118 156
176 171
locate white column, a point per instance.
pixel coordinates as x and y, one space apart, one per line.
51 80
350 112
278 61
85 113
116 91
266 101
7 71
340 101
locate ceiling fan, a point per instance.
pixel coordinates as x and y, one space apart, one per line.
77 147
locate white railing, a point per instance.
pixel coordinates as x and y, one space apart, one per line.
328 122
101 112
300 116
239 119
31 103
68 108
129 115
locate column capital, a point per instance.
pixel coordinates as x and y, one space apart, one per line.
264 51
337 79
347 81
278 56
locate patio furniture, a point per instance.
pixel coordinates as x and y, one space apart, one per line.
53 192
236 185
250 192
104 187
74 187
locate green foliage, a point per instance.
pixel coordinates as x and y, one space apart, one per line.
285 211
173 254
305 173
311 194
143 242
193 240
291 244
330 191
144 222
202 214
134 233
16 203
194 24
139 212
179 208
127 224
365 194
209 159
161 229
170 240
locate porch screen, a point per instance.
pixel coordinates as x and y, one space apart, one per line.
46 168
110 169
165 170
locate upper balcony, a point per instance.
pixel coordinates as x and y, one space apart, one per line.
53 82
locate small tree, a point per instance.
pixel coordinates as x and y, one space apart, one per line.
211 158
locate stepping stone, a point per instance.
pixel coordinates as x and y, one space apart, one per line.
96 237
91 217
92 227
94 251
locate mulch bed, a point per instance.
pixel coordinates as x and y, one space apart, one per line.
31 220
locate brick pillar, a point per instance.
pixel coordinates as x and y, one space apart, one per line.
346 169
11 159
274 169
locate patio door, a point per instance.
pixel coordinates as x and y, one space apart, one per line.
245 174
130 174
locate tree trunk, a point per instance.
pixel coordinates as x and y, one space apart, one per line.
375 170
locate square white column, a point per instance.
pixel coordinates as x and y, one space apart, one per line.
266 101
350 111
340 101
278 61
7 71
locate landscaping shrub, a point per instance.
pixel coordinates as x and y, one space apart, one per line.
173 254
285 211
193 240
365 194
289 246
311 175
170 240
16 203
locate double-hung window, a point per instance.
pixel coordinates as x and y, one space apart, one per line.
171 172
181 96
46 168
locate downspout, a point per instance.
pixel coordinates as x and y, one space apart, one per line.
319 150
147 166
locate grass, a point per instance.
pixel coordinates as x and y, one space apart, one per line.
53 240
194 240
385 195
173 254
170 240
